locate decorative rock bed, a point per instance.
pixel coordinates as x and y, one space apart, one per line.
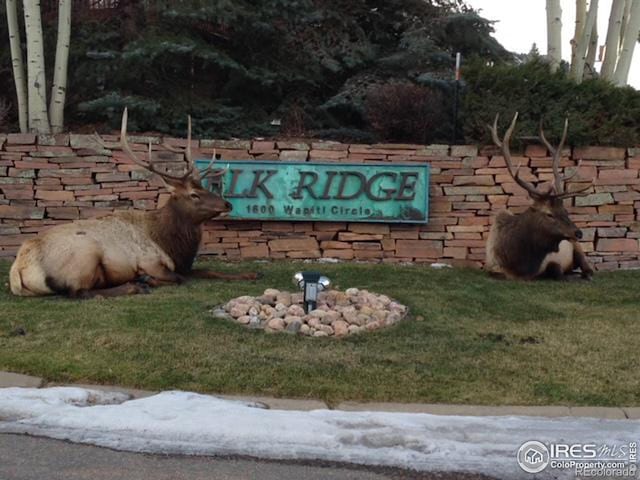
337 314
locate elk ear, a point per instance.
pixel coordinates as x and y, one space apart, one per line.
171 184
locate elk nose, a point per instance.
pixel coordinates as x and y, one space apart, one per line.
578 234
228 205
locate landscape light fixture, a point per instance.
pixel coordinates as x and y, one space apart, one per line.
311 283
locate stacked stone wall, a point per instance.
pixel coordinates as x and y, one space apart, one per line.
46 180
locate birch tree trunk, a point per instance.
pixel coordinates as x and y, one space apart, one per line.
631 31
554 33
59 88
36 78
625 21
613 39
582 43
590 64
581 17
18 63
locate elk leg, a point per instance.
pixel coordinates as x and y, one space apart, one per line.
120 290
170 278
554 271
157 274
200 273
580 260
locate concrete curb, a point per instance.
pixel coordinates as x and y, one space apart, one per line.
8 379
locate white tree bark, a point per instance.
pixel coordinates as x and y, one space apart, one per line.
582 43
631 32
18 63
625 21
554 33
59 88
590 64
36 78
581 17
613 39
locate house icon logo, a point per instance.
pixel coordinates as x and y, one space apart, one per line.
533 457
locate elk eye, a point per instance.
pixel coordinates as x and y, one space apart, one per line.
195 196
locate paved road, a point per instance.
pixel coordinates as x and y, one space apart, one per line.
31 458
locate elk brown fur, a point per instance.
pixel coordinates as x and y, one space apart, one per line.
542 240
127 251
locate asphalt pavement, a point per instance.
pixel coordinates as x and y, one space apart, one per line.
30 458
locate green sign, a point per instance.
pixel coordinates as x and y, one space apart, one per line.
334 192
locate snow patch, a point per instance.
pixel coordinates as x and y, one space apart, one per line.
177 422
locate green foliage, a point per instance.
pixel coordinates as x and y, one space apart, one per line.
237 65
599 113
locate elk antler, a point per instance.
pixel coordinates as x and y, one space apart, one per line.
148 164
560 180
504 146
209 172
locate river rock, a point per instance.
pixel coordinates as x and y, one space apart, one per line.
276 324
294 326
291 318
239 310
284 298
325 328
220 313
340 328
337 314
305 329
296 310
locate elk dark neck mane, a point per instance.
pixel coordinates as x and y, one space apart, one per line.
527 243
178 236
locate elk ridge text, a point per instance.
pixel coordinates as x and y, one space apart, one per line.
327 185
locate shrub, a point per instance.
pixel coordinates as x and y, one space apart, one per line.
599 113
5 110
404 112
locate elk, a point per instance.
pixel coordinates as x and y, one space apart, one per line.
542 241
129 251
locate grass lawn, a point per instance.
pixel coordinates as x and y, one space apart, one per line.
468 339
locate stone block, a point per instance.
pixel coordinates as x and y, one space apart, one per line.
55 195
293 155
594 199
473 180
617 245
419 248
294 244
343 254
472 190
357 237
21 212
21 139
255 251
599 153
335 245
304 254
372 228
464 150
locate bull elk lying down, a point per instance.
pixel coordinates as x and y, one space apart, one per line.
542 241
128 251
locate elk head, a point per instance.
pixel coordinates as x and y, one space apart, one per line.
548 216
188 197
